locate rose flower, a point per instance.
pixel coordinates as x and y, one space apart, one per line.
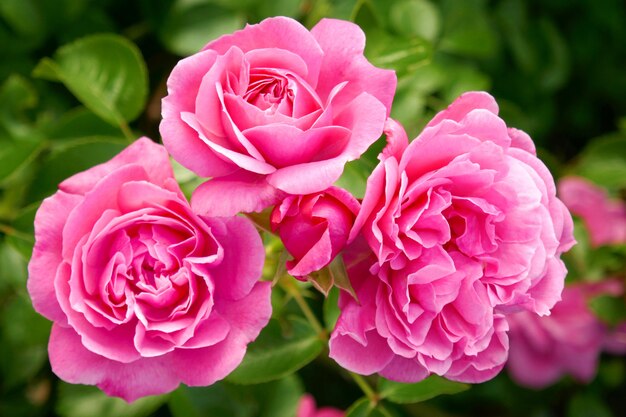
464 226
274 109
144 294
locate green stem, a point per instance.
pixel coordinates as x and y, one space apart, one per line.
365 387
127 132
306 310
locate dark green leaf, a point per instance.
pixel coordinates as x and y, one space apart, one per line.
331 309
467 29
603 161
420 391
611 310
190 25
273 399
81 124
88 401
15 155
278 352
65 161
105 72
365 408
415 18
588 405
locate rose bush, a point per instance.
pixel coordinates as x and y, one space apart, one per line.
144 294
464 227
605 219
274 109
314 228
569 341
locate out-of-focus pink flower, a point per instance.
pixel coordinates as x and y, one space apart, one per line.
307 408
314 228
615 340
569 341
604 218
144 294
465 227
274 109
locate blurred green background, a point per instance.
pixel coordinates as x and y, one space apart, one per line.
556 67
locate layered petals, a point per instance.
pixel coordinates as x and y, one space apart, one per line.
144 293
463 227
275 108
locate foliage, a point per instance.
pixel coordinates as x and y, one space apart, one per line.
557 68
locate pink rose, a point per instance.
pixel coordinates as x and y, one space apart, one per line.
314 228
569 341
144 294
605 219
307 408
465 227
274 109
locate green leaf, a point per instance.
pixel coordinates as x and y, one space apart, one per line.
420 391
88 401
15 155
24 17
17 94
105 72
365 408
290 8
610 309
415 18
331 309
24 341
278 352
404 55
467 29
354 177
603 161
21 236
587 405
12 268
190 25
273 399
73 157
81 124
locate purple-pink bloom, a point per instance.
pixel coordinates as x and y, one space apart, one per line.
274 109
308 408
144 294
605 219
569 341
314 228
464 227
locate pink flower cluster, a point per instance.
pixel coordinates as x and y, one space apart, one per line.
457 229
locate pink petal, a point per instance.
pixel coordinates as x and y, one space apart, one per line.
366 359
307 178
284 145
178 137
46 258
244 256
343 44
201 367
463 105
153 158
239 192
97 200
73 363
276 32
404 370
